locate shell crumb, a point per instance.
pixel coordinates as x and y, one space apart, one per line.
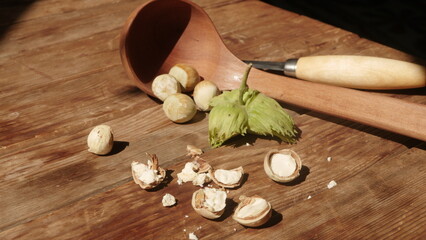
193 151
192 236
309 197
331 184
168 200
329 159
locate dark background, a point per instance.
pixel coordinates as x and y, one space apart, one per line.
394 23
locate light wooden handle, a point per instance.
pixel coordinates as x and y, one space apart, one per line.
361 72
372 109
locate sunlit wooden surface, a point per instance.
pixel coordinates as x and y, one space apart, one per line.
61 75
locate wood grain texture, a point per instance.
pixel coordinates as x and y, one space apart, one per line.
60 75
129 212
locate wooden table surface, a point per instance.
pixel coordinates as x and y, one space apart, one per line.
61 75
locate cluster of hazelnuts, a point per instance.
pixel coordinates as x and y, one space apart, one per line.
171 88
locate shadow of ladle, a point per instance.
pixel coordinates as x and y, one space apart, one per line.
161 33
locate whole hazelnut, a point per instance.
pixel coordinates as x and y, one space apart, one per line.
179 108
100 140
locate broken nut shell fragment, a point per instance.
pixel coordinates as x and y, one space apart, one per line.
227 178
203 165
193 151
209 202
252 211
150 175
195 171
282 165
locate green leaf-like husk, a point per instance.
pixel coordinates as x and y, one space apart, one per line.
226 121
244 110
227 97
267 117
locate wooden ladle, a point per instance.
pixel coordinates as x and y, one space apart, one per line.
161 33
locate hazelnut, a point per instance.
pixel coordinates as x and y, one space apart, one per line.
100 140
179 108
165 85
186 75
204 91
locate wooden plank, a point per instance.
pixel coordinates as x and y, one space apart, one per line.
38 183
84 55
64 153
50 22
39 67
41 32
391 205
54 106
60 62
60 75
292 42
28 10
20 11
92 52
129 212
361 207
61 144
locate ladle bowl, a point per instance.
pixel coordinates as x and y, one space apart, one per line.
161 33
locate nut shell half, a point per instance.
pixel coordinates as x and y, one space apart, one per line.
261 215
197 202
161 172
270 172
227 185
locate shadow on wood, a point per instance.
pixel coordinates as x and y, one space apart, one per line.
10 11
118 147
